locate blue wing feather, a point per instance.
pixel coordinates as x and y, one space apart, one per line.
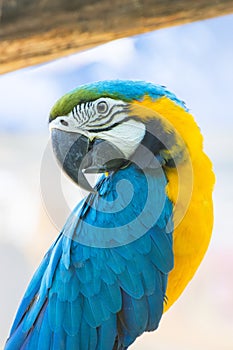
107 333
91 290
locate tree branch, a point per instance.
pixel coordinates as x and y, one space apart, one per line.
36 31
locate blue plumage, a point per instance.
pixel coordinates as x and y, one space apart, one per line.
129 90
103 282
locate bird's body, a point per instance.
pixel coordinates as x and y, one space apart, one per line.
129 249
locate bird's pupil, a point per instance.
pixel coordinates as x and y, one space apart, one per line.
102 107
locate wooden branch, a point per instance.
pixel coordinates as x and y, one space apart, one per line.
37 31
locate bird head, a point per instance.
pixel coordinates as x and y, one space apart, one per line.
104 126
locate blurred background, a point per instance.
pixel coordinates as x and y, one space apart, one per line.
195 62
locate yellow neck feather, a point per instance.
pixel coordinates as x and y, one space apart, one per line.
190 187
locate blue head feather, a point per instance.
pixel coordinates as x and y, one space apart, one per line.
125 90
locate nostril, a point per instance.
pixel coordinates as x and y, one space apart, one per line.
64 122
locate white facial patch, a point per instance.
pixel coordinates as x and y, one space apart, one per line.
66 123
126 136
105 119
93 115
99 113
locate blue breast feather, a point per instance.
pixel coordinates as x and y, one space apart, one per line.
103 281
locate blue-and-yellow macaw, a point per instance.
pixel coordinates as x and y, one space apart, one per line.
131 246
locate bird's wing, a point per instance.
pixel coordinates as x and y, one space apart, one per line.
93 290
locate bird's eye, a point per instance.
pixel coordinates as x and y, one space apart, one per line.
102 107
64 122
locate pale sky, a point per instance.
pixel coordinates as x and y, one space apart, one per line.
193 60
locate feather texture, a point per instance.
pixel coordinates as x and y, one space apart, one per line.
101 297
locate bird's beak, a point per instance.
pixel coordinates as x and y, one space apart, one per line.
77 155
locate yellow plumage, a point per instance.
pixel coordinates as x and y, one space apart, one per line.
190 187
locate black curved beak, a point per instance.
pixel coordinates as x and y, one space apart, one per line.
77 155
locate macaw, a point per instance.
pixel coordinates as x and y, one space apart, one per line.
130 247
